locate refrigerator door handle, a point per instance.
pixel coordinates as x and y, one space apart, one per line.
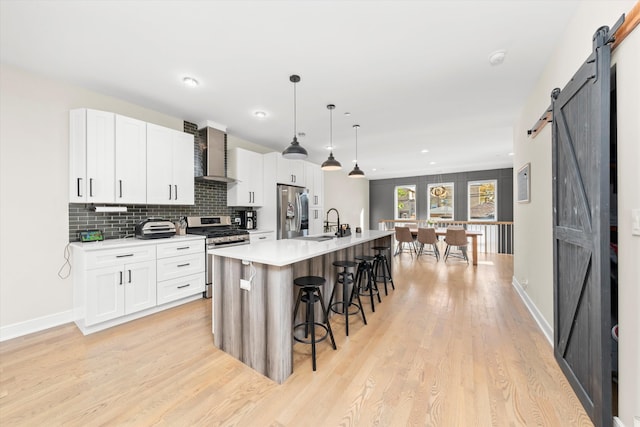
299 213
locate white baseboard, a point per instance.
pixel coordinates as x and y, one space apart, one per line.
35 325
544 326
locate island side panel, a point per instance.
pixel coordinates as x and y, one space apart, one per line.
280 302
231 323
217 301
254 318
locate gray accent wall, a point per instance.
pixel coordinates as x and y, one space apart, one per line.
381 193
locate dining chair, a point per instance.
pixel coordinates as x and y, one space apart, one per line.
457 238
403 235
427 236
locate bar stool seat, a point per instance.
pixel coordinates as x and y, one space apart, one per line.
366 285
381 267
346 278
310 293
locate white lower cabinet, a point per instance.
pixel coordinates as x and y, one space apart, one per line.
120 280
119 290
180 275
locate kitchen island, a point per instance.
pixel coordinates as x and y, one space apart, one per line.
254 325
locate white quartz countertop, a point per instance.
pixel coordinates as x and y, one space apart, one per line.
129 242
288 251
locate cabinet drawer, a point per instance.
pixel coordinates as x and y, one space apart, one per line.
180 248
109 257
171 290
180 266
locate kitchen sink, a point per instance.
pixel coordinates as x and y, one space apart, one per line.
317 238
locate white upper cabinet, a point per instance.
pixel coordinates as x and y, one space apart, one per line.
170 177
290 171
131 160
91 156
246 167
314 179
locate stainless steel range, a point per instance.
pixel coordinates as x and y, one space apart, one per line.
219 234
218 231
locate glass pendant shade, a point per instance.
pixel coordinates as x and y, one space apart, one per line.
294 150
356 172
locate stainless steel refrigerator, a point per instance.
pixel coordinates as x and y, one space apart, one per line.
293 212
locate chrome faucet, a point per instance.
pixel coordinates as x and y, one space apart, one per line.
338 215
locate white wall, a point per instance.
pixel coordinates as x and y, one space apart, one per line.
34 135
350 196
533 263
627 60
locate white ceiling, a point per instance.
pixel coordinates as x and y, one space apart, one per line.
413 74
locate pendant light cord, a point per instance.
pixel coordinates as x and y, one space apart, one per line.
295 129
356 126
331 128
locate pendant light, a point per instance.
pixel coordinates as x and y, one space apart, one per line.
294 150
331 164
356 172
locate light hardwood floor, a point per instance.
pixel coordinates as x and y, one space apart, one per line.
453 345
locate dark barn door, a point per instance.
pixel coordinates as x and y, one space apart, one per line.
581 231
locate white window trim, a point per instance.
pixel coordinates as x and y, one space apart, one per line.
395 198
438 184
495 198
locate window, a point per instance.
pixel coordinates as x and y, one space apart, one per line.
440 201
483 200
405 201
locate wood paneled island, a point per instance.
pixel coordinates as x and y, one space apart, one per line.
255 325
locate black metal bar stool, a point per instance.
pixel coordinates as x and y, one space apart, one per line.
365 274
346 278
310 293
381 268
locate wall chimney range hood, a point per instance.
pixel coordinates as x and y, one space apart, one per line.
211 153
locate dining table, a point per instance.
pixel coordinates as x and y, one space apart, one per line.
470 233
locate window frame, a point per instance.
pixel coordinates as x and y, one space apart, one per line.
395 201
495 199
452 185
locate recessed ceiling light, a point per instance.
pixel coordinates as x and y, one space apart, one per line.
190 81
347 113
374 169
328 147
260 114
424 151
432 163
497 57
510 154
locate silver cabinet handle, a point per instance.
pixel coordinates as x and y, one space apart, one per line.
120 182
183 248
129 276
124 256
184 265
261 238
79 187
184 286
90 187
120 277
170 196
176 192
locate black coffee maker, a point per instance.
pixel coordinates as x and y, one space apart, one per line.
248 220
